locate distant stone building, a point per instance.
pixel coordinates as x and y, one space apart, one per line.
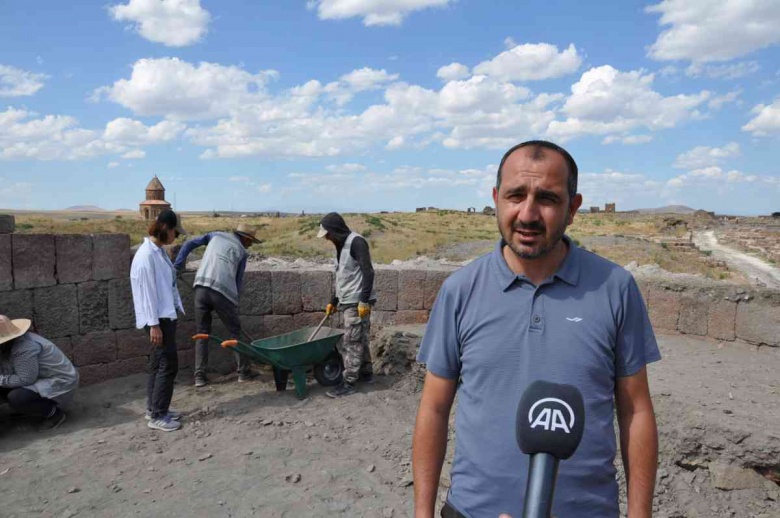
155 200
609 208
595 210
489 211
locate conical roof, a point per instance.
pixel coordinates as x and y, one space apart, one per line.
155 185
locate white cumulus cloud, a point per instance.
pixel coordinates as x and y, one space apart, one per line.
26 136
373 12
629 140
706 30
727 71
453 72
15 82
183 91
702 156
531 62
607 101
766 121
175 23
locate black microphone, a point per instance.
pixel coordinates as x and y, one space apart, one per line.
550 422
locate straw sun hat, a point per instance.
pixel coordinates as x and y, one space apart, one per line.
10 329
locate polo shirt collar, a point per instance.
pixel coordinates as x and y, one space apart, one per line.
568 272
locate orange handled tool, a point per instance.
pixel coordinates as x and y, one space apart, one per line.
201 336
230 343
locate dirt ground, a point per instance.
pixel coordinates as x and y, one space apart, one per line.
245 450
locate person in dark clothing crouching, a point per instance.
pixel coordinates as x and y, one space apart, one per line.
355 297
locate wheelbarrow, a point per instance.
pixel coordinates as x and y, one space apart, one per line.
295 353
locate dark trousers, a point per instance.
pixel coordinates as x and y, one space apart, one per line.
206 302
28 402
163 366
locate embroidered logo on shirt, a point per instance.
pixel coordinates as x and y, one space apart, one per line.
575 319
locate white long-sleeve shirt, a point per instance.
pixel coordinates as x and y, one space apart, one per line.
155 294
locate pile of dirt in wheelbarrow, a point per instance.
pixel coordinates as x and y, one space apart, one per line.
246 450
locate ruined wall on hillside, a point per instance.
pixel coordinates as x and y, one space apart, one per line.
76 290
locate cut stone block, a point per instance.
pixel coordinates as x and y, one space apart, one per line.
91 374
7 224
721 323
386 286
6 263
411 289
74 258
664 309
17 304
34 260
57 310
94 348
256 298
110 256
93 306
433 281
131 343
121 311
693 316
128 367
274 325
286 292
758 324
411 317
187 294
316 289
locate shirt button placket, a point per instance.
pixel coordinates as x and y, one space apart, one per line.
537 322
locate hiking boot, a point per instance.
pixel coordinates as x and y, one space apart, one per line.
367 378
164 424
173 414
201 380
246 376
345 389
53 421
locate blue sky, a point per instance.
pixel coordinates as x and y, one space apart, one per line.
368 105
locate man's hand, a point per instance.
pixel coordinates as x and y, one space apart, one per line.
364 310
330 309
156 335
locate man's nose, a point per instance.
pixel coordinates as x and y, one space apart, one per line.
529 211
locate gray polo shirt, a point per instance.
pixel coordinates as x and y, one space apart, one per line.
586 325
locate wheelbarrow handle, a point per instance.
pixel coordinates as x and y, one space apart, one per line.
229 343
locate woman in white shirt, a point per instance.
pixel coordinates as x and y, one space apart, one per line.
156 300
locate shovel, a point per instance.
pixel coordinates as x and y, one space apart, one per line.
311 337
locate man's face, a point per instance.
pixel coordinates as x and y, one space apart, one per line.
532 203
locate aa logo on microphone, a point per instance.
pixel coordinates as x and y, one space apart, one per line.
551 414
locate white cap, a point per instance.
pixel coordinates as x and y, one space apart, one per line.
322 232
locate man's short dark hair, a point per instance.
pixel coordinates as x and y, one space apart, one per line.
537 153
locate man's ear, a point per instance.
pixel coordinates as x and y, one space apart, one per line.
575 205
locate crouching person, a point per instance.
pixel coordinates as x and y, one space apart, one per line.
35 376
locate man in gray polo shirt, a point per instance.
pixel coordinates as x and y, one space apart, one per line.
536 308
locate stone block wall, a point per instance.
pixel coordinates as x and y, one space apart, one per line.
76 290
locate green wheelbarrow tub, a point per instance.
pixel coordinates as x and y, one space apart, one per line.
292 352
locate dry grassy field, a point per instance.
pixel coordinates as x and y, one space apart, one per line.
403 236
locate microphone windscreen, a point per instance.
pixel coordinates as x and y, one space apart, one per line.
550 419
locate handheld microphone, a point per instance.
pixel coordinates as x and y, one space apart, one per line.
550 422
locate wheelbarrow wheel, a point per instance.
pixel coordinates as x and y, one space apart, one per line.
331 371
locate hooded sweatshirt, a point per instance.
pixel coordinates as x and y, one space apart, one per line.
339 231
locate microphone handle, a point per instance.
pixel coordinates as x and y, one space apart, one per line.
540 488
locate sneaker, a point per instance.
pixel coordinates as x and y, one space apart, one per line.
164 424
173 414
201 380
50 423
246 376
367 378
345 389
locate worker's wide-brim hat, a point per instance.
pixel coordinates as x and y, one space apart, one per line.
10 329
247 231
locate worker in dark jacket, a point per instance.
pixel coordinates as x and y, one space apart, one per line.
355 296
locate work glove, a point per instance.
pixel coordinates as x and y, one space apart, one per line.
364 310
